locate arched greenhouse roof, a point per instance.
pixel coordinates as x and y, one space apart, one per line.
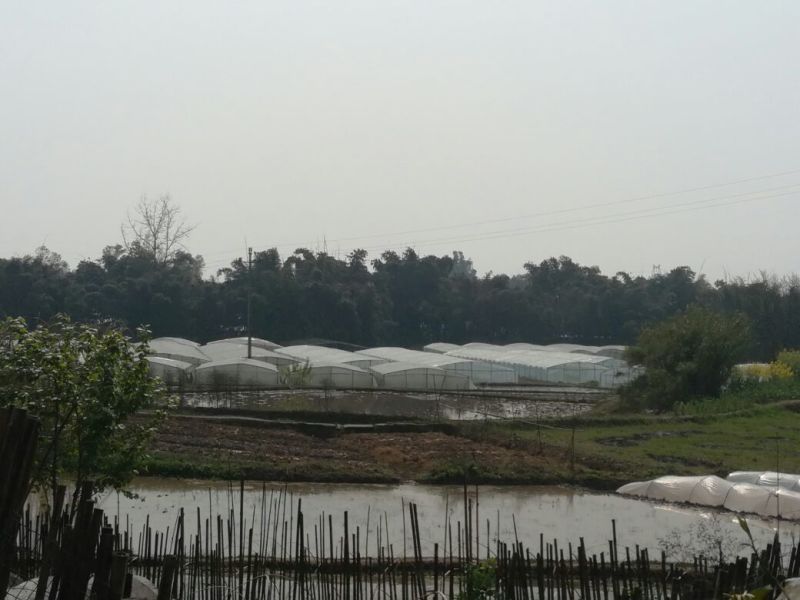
169 363
523 346
169 348
178 340
225 350
440 347
257 342
572 348
323 353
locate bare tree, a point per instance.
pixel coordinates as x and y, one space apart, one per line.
157 228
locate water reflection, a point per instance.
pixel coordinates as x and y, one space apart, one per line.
522 512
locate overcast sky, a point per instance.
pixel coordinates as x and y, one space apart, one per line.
513 131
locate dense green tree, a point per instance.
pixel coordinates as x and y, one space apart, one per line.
395 299
689 355
83 382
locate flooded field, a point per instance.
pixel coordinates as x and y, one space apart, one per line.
506 403
522 513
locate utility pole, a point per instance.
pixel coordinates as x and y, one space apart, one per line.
249 296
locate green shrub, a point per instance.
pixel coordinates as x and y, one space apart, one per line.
690 355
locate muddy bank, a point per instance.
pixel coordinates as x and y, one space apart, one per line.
235 448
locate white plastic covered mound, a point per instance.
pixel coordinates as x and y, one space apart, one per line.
771 479
236 373
176 349
227 350
256 342
339 376
406 376
169 370
710 490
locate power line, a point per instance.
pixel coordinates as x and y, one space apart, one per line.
573 209
589 221
577 225
643 212
553 212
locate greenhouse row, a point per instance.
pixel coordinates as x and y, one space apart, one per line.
225 364
557 363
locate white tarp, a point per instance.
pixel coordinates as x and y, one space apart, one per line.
710 490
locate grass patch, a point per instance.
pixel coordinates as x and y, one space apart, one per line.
615 450
745 397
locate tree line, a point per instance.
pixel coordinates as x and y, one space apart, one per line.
395 299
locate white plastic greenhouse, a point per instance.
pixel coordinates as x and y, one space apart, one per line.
256 343
236 373
542 365
405 376
788 481
170 371
226 350
710 490
477 371
339 375
177 350
334 355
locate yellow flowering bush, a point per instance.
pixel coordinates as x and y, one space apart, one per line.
764 371
780 370
790 358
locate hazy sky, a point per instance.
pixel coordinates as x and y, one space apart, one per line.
513 131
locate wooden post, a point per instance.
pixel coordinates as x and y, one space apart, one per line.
165 585
19 434
119 569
